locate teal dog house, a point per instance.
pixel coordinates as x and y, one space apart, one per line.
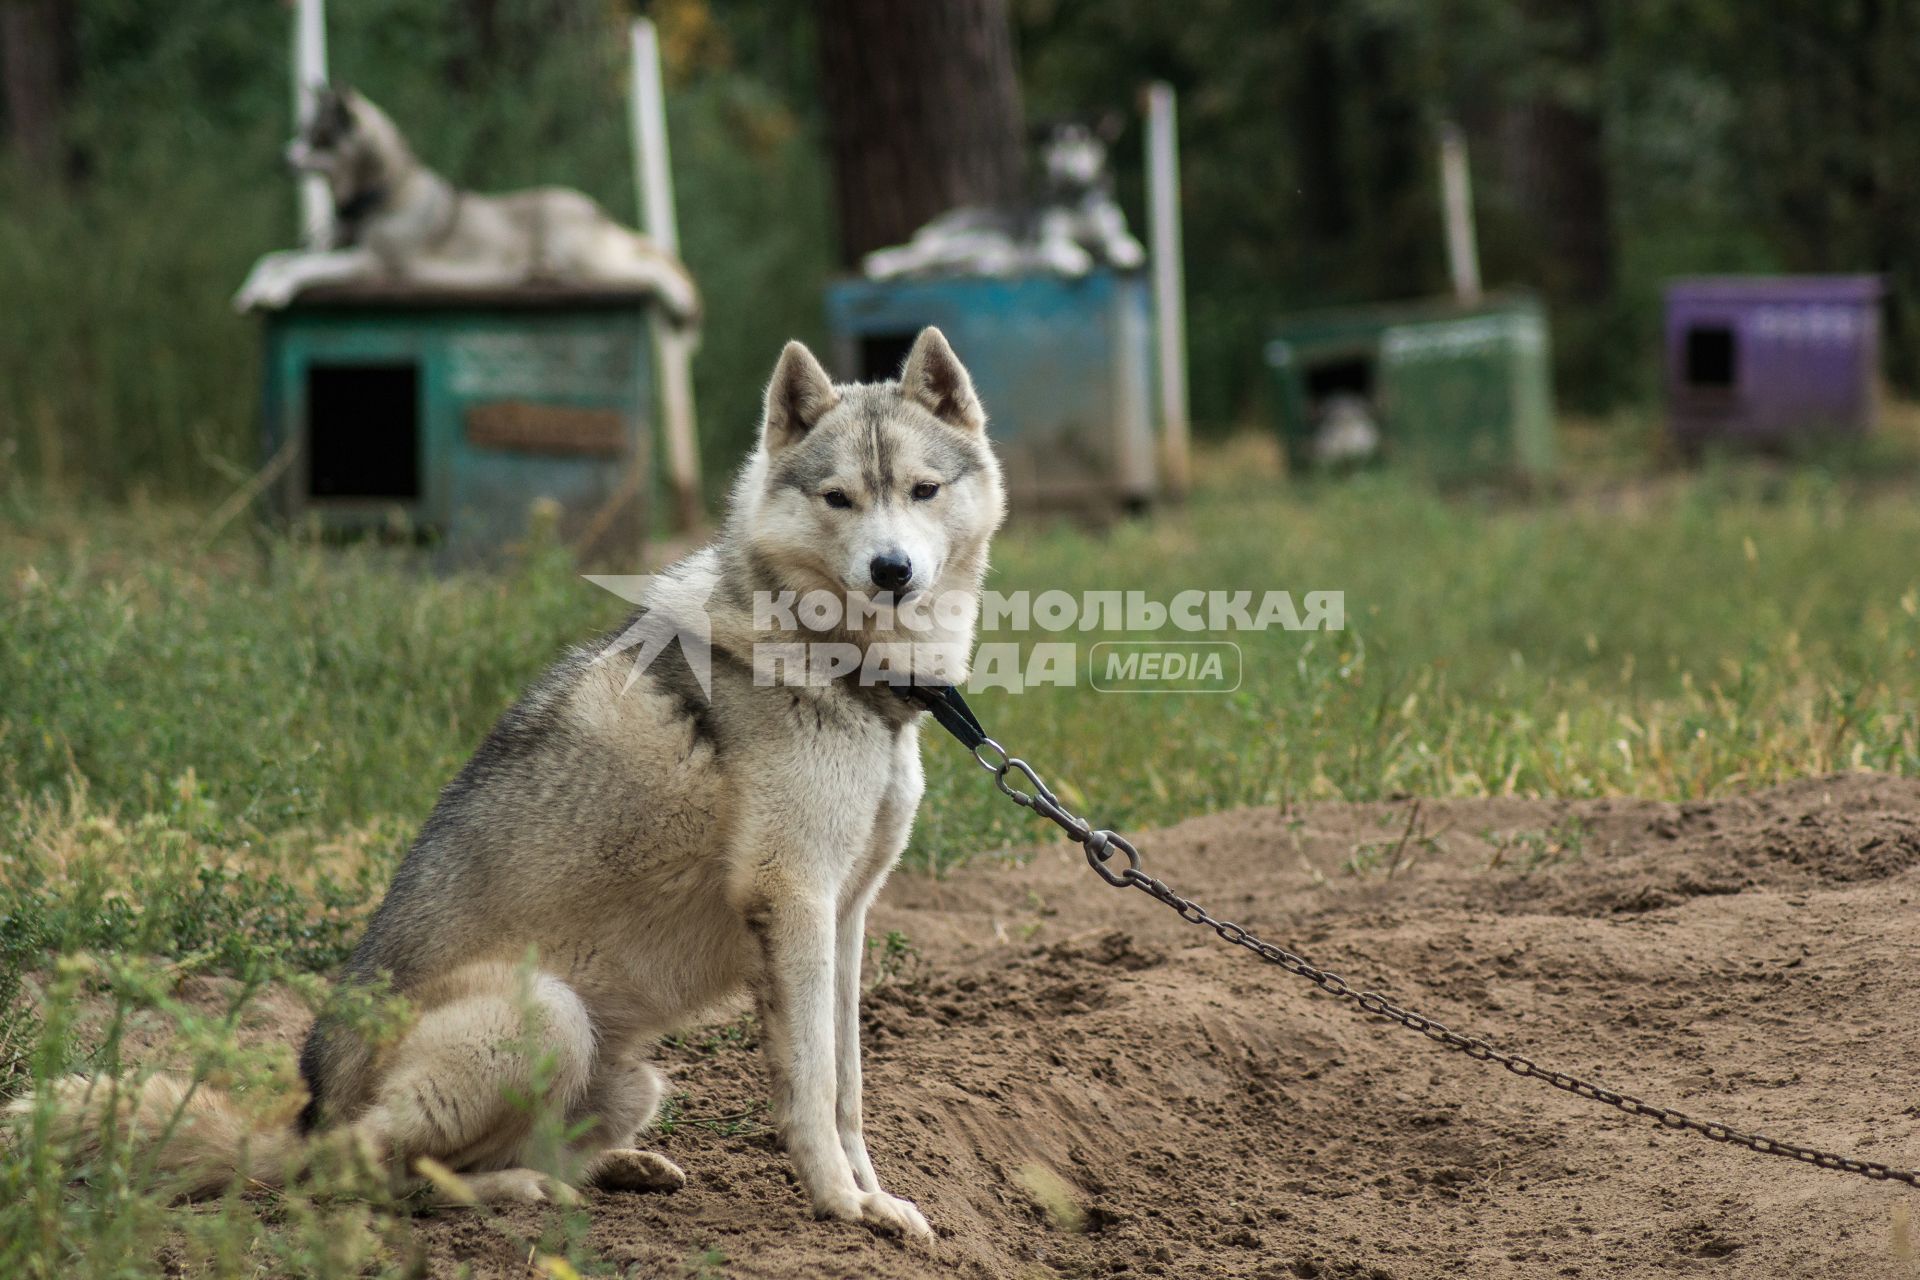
452 417
1063 366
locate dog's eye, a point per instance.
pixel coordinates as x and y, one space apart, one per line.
837 500
924 490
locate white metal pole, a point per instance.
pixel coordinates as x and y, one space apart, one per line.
309 76
1456 199
652 168
1169 300
653 175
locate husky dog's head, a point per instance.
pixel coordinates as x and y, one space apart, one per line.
885 492
1073 154
351 142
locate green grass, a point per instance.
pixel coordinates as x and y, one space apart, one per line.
1525 852
211 756
1703 636
1679 640
241 743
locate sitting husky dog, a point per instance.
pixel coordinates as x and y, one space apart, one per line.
397 220
664 829
1075 227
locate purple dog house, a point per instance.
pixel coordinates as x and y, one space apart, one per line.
1766 359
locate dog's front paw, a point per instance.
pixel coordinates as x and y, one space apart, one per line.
681 300
500 1186
627 1170
271 284
877 1209
262 292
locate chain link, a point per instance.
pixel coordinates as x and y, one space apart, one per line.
1101 845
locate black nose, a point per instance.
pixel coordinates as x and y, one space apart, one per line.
891 570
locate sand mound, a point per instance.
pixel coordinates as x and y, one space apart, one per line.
1075 1083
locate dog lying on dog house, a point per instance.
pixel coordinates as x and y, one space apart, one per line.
397 221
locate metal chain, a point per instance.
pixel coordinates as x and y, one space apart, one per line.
1101 845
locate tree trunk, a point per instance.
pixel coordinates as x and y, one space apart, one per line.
37 64
923 111
1557 167
1555 151
474 45
1554 159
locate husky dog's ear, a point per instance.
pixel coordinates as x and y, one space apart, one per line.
933 376
1041 130
799 396
332 119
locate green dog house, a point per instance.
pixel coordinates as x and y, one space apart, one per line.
1456 391
452 417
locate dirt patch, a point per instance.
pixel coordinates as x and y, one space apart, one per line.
1079 1084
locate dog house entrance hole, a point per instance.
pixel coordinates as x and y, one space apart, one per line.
1352 376
1340 381
363 430
1712 357
882 354
1341 410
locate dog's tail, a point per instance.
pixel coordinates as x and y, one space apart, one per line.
197 1138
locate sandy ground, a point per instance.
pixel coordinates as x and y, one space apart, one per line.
1075 1083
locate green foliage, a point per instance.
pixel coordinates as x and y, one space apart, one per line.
1744 629
893 960
1396 854
1726 138
185 885
89 1204
1529 851
21 949
675 1114
743 1033
82 1201
1720 138
292 688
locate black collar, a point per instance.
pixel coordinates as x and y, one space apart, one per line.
948 707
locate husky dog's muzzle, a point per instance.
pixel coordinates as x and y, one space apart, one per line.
302 158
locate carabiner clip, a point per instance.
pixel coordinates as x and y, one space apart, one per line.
1100 847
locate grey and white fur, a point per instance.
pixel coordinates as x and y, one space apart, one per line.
397 221
664 849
